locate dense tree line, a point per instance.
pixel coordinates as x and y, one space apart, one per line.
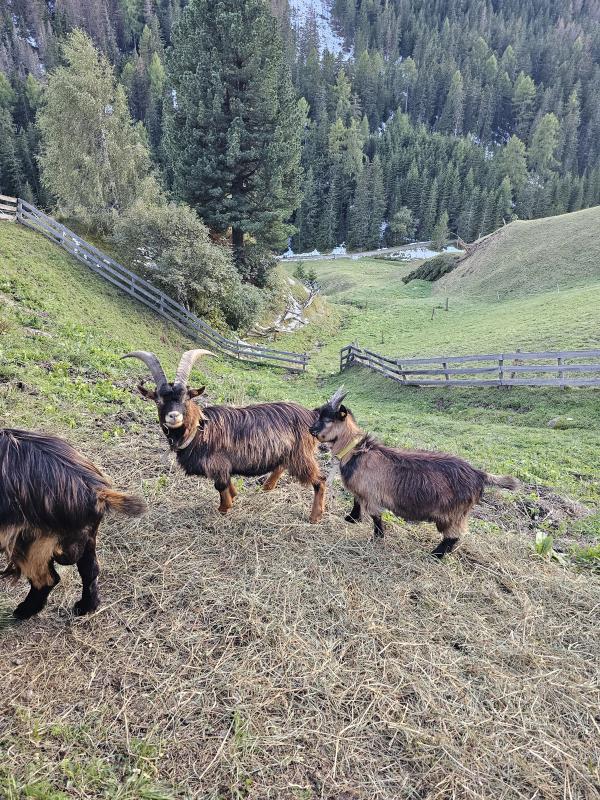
456 114
448 116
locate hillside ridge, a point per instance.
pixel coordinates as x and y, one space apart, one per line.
529 256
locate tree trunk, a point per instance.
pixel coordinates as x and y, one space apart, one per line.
237 236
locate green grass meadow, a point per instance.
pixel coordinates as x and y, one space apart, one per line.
281 621
64 330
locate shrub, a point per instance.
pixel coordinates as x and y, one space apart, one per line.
171 247
434 268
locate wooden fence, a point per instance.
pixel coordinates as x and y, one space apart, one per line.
558 368
8 207
150 296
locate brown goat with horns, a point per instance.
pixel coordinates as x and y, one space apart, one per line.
52 501
416 485
217 442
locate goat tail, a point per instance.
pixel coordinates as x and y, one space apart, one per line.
122 503
504 481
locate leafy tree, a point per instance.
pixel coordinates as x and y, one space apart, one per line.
171 246
524 94
511 162
233 131
94 161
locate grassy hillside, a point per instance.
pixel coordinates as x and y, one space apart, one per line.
371 305
532 256
257 656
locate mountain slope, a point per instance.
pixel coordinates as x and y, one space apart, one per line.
531 256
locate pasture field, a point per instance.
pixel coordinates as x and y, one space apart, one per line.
257 656
530 256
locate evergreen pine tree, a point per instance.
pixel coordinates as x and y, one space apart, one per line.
451 120
431 211
440 232
233 132
570 133
503 211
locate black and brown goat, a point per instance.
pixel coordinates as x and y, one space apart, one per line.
52 501
217 442
416 485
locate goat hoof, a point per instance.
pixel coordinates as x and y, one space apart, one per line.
314 520
352 520
223 511
437 554
25 611
81 607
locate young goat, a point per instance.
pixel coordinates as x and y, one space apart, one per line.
52 501
217 442
416 485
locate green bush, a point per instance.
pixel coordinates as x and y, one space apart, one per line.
170 246
434 268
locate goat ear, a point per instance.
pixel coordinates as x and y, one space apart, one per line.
149 394
342 412
196 392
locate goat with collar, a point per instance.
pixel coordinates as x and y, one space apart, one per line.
416 485
218 442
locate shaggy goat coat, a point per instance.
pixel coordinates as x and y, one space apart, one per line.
416 485
52 501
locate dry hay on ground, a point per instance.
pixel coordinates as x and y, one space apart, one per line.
268 658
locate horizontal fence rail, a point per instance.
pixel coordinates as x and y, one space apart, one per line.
8 207
559 368
150 296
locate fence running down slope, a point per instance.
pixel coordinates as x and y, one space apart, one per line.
149 295
8 207
559 368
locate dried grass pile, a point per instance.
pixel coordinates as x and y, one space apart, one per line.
258 656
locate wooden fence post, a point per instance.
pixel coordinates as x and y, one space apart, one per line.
516 362
445 366
561 374
501 370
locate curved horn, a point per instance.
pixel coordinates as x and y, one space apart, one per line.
188 360
336 400
153 364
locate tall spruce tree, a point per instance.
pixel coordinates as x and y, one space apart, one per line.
233 134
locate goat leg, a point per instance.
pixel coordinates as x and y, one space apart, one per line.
318 505
37 597
378 527
355 515
222 488
273 479
89 570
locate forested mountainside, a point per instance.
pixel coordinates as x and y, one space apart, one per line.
430 115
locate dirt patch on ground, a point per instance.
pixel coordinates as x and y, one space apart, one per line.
535 507
262 657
